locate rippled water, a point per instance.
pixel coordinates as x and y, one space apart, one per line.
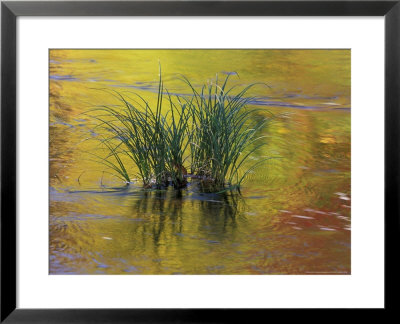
293 216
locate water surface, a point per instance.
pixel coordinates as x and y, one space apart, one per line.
293 216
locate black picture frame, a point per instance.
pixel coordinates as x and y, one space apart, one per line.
10 10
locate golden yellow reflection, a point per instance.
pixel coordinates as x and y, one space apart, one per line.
293 214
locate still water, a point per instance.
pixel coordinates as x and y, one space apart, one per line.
293 214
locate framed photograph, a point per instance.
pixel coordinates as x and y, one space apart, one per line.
197 161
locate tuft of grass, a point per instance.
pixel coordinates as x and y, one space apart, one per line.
152 140
224 135
178 137
125 138
211 132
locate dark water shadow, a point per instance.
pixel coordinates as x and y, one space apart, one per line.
183 214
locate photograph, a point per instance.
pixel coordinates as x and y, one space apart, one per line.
199 161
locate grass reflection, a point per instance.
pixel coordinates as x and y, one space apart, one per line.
166 213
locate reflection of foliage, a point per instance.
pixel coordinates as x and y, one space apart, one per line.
224 211
166 211
212 126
